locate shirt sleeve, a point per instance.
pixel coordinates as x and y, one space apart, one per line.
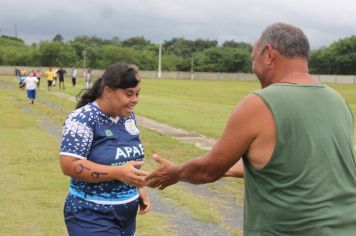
77 134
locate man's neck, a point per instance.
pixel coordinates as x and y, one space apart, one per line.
293 71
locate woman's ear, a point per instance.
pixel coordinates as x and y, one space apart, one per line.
107 92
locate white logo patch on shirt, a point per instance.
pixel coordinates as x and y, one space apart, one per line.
130 127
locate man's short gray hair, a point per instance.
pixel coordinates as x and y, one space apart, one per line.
288 40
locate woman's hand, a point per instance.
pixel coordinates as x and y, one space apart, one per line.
145 203
130 174
165 175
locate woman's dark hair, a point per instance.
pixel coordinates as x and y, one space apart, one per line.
119 75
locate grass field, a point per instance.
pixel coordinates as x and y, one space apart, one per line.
33 188
201 106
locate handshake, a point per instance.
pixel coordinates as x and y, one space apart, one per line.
165 175
200 170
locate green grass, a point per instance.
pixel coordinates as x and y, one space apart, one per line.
29 169
32 187
201 106
29 166
204 106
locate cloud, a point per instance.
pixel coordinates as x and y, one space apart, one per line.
322 21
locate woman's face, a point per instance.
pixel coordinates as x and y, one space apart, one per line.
122 101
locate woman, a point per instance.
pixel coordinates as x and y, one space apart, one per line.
102 153
30 82
49 74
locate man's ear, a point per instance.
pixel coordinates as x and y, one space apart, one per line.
269 54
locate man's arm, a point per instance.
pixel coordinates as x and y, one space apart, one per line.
236 170
241 130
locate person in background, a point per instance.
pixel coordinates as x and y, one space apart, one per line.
88 79
31 85
74 76
102 153
21 79
55 76
292 141
49 74
61 73
38 74
22 72
17 72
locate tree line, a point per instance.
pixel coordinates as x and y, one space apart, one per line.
178 54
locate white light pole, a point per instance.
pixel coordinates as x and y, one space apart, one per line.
84 53
192 68
159 74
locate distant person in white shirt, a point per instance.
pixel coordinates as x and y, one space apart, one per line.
74 76
31 84
88 79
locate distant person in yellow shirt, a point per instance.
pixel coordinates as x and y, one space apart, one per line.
49 74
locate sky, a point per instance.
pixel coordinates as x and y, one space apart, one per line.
323 21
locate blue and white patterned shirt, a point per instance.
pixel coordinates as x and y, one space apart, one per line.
89 133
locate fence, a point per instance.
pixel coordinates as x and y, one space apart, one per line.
337 79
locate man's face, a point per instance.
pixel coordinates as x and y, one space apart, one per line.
257 61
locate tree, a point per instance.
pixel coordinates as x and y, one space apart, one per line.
136 42
233 44
58 38
56 54
338 58
179 47
200 45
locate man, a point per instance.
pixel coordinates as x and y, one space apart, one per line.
295 137
61 72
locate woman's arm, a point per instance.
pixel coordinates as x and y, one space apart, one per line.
91 172
145 202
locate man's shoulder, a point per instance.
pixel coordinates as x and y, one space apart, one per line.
252 101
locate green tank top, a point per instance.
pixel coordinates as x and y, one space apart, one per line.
308 187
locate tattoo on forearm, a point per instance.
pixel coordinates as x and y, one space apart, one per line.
78 169
96 175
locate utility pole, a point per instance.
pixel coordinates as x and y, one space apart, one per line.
159 74
192 68
84 53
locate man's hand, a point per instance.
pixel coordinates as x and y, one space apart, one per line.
165 175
